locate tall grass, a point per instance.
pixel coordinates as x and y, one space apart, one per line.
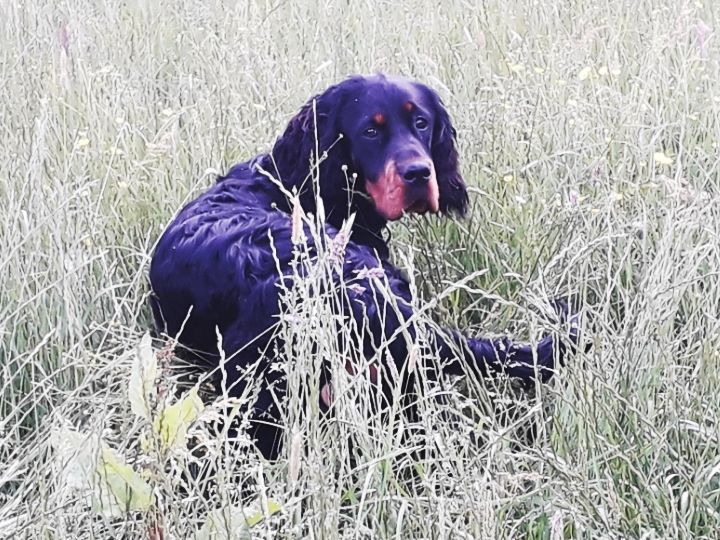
589 133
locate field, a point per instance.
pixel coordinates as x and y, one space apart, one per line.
588 133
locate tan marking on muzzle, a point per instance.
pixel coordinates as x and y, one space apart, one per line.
433 194
392 196
388 193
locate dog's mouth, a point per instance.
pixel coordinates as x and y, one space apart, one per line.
393 197
371 371
421 206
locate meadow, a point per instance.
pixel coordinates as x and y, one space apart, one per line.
588 133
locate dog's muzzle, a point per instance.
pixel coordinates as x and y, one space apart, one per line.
404 188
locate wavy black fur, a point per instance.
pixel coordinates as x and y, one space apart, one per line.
213 267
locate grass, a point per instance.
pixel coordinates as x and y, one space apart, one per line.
589 133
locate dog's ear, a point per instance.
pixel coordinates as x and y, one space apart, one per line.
453 192
309 136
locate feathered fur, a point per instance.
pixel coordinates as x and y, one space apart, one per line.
214 268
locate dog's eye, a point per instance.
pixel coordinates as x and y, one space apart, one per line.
371 133
421 123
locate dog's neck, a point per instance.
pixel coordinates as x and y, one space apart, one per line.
368 225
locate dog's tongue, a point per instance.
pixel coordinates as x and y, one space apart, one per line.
326 395
326 392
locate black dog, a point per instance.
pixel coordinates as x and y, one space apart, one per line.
386 147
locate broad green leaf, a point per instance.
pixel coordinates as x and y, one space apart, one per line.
253 518
172 424
90 466
225 524
234 523
118 488
141 387
76 457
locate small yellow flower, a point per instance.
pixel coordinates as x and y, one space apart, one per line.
662 159
515 68
585 73
82 142
508 178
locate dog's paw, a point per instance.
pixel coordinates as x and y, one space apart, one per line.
570 319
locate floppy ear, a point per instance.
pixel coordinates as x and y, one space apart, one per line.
312 131
453 192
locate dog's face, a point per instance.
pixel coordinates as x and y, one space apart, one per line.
389 125
387 147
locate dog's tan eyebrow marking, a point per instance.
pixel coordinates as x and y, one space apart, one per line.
379 118
409 106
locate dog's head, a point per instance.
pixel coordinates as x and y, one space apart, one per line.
386 147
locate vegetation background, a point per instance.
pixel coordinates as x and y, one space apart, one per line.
589 134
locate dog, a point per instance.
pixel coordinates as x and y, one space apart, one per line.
372 147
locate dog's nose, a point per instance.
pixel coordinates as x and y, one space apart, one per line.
416 173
